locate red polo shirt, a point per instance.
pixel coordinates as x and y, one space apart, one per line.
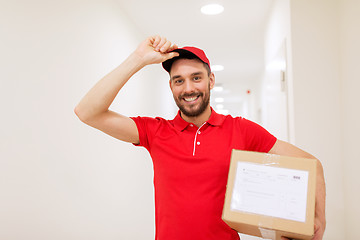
191 166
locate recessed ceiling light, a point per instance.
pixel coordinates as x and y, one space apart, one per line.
218 88
219 106
216 68
223 111
212 9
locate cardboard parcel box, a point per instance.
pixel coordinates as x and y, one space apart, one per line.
270 196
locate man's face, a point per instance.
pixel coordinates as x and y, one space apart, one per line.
190 85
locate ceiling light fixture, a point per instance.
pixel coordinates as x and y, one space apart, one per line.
219 106
212 9
218 88
223 111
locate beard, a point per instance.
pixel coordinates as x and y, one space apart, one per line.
196 109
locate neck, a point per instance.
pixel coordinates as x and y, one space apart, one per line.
198 120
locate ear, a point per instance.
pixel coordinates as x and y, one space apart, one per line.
170 84
212 80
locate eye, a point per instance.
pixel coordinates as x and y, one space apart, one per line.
179 81
197 78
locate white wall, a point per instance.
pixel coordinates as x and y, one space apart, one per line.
59 178
322 50
350 52
317 97
277 105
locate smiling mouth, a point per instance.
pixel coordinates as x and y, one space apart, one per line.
191 98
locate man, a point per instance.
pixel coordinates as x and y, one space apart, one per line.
191 153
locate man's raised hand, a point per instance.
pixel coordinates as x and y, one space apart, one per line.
156 49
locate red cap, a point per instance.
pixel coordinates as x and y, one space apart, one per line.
186 52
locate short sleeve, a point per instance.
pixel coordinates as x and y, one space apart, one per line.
257 138
147 128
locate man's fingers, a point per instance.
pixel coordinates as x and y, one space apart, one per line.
155 41
165 47
171 55
161 43
173 47
156 49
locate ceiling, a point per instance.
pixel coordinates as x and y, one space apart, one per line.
233 38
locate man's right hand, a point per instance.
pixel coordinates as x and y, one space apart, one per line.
155 49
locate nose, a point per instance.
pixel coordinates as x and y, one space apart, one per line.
189 86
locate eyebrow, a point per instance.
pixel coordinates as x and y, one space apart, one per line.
175 77
193 74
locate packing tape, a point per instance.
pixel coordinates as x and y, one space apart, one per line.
271 159
266 224
267 233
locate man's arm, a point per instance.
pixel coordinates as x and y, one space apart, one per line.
93 109
287 149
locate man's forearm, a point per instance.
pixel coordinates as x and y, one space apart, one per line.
100 97
97 101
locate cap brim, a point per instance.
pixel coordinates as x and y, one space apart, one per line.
183 54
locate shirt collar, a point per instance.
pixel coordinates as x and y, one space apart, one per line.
214 120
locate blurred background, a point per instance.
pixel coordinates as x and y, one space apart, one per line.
288 65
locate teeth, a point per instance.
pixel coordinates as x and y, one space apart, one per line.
190 99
